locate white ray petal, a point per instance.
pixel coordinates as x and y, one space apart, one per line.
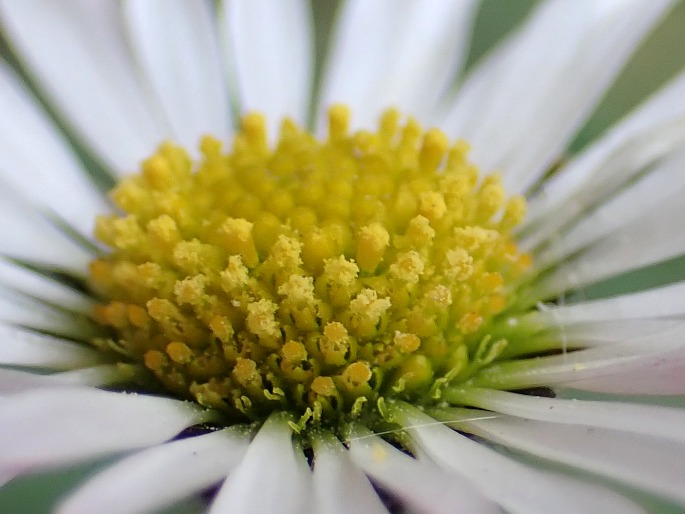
14 381
659 371
662 301
581 47
622 330
273 476
177 46
602 341
105 98
654 465
655 377
516 487
650 420
43 428
37 163
601 333
27 234
155 478
424 487
474 92
22 311
395 54
271 44
655 237
20 347
661 185
648 134
339 485
38 286
580 365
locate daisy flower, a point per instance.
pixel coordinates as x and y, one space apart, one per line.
318 289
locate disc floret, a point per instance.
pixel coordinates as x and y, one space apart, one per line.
315 277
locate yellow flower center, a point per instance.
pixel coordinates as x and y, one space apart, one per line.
316 277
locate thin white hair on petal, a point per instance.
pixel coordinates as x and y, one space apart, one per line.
556 321
415 426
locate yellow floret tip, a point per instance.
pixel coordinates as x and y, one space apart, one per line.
372 241
314 276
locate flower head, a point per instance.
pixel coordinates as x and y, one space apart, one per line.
316 278
344 314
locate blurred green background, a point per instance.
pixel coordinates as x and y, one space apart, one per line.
658 59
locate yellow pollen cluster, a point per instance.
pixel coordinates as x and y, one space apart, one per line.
314 277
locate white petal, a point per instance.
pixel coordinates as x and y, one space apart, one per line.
653 238
395 54
637 201
20 310
653 377
654 465
568 50
574 327
272 477
650 420
158 477
644 322
36 161
14 381
516 487
78 53
616 331
660 370
645 136
43 288
663 301
25 234
47 428
272 48
20 347
613 322
339 485
177 46
580 365
418 482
